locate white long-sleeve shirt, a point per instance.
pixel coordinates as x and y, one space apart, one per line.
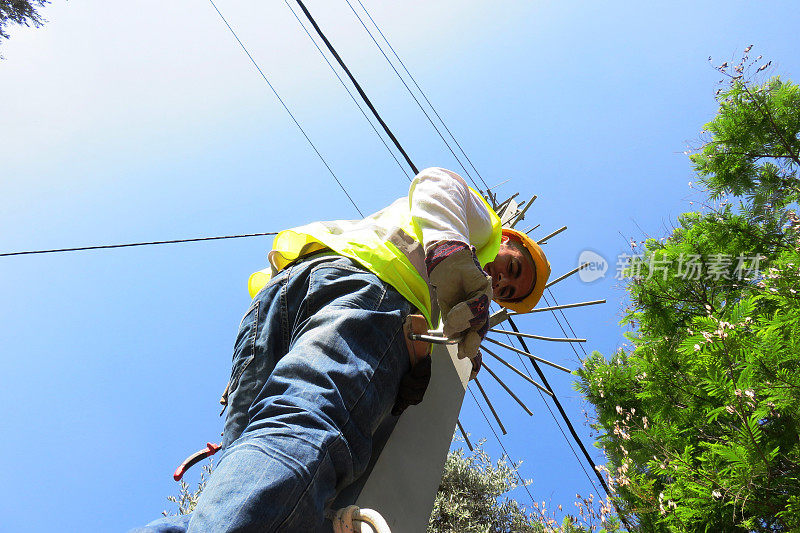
445 209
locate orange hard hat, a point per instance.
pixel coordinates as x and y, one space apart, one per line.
541 265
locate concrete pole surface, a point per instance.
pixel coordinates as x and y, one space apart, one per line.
405 476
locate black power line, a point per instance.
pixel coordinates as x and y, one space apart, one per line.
174 241
128 245
523 362
414 81
505 452
424 111
553 296
358 87
569 424
346 88
559 407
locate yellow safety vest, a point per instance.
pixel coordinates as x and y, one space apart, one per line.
387 243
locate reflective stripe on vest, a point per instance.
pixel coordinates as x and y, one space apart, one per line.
386 243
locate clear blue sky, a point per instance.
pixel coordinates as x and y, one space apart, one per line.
141 121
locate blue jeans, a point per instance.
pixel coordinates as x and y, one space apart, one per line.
316 368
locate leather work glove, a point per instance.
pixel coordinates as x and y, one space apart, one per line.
477 361
463 290
413 386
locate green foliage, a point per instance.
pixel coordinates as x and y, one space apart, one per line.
471 500
187 498
700 414
20 12
753 147
470 497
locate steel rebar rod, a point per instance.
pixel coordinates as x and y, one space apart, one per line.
521 214
533 228
538 337
499 317
523 376
568 274
557 307
499 184
464 434
543 240
530 355
491 407
500 381
505 203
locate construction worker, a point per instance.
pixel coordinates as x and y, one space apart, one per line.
323 357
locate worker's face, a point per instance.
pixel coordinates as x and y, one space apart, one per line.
512 273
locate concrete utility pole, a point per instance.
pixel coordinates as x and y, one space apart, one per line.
405 477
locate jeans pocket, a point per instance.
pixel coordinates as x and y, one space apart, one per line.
344 284
244 348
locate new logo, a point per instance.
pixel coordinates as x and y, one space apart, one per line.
596 268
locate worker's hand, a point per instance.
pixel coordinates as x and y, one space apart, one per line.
413 386
463 290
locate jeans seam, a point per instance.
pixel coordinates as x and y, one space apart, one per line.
310 482
236 375
249 309
383 295
254 333
284 313
380 361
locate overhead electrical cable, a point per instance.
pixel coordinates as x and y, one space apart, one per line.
357 86
106 246
413 167
564 331
570 426
565 319
496 436
418 88
346 88
401 150
424 111
558 424
174 241
285 106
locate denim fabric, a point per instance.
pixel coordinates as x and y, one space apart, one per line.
316 368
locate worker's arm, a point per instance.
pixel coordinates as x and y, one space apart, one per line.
444 209
450 221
